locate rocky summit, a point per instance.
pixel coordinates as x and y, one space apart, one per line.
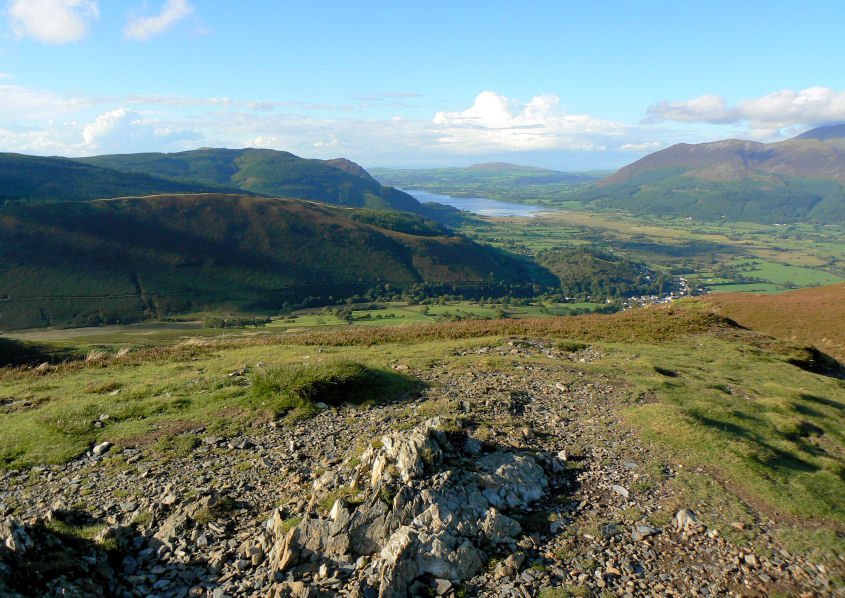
492 483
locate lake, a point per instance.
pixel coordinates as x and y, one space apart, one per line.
478 205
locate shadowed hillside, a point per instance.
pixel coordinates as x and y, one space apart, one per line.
123 259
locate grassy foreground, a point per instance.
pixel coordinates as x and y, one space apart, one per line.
704 392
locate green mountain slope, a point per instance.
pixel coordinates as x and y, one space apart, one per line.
800 179
267 172
123 259
37 179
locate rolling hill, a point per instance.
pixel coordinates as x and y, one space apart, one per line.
124 259
266 172
800 179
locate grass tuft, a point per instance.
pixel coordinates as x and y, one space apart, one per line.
296 388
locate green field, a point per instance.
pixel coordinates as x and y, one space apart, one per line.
782 257
190 326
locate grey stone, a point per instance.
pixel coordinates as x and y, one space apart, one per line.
472 446
620 491
101 448
640 532
441 586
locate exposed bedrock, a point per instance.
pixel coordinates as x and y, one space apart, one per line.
426 503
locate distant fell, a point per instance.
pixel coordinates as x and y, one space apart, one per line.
794 180
824 133
267 172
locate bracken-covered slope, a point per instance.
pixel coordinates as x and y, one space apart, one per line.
815 315
794 180
267 172
124 259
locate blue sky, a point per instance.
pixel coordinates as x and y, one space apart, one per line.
558 84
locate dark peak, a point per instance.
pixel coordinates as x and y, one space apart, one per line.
824 133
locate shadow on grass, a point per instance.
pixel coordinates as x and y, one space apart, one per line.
16 353
808 411
823 401
665 372
772 457
809 358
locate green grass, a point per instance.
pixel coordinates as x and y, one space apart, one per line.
221 507
288 524
572 591
771 431
819 544
296 388
345 492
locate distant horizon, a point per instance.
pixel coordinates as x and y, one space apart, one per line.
555 85
464 163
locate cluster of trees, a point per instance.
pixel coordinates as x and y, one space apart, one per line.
591 272
235 321
735 274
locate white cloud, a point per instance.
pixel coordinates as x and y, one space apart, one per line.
124 130
52 21
143 28
6 76
496 122
53 139
766 115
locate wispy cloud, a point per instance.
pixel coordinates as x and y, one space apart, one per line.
400 94
52 21
27 103
143 28
765 116
40 121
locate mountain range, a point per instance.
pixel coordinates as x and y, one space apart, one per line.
800 179
28 179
